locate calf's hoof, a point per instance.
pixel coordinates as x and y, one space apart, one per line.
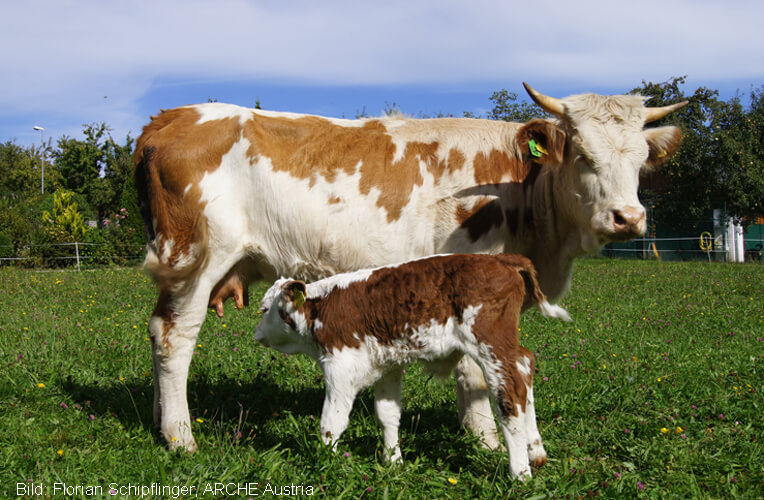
537 454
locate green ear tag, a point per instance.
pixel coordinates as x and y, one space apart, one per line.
534 148
299 298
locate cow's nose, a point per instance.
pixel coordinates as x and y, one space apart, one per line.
629 221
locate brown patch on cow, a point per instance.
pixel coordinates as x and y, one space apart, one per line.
456 160
163 310
334 200
551 137
481 218
173 153
310 147
492 168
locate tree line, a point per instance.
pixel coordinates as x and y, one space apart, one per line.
90 196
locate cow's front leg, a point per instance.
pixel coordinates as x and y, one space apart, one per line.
387 406
474 403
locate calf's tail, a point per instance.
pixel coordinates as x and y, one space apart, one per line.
533 290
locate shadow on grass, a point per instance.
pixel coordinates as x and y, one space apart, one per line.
262 406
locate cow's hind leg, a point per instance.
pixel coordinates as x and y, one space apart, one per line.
174 328
474 403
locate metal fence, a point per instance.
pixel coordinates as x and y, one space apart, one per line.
701 247
77 254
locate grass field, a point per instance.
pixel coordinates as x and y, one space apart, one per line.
654 390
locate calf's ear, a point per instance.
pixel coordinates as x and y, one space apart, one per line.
541 141
663 142
295 292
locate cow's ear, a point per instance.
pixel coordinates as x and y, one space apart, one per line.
295 292
663 142
541 141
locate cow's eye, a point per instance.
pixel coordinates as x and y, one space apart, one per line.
583 160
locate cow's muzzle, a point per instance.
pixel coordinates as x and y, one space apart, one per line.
628 222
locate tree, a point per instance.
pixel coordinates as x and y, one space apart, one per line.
96 167
20 170
506 108
66 219
717 165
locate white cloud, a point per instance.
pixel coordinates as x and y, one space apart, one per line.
65 56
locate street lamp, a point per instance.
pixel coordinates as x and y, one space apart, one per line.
42 158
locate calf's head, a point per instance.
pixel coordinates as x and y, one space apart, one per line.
599 146
284 325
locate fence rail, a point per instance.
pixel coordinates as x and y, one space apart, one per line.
79 252
87 254
687 248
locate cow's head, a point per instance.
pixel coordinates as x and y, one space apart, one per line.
284 325
600 147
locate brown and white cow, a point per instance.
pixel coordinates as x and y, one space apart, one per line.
231 195
363 328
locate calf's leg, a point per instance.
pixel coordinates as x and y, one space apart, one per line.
536 452
508 390
338 401
387 406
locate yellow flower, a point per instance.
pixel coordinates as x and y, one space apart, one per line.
200 420
452 480
174 439
60 452
41 385
121 379
679 430
664 430
659 379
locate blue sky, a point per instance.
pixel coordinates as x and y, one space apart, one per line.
70 62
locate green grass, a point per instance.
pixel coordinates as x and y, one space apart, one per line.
655 390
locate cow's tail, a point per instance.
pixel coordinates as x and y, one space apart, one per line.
176 231
533 292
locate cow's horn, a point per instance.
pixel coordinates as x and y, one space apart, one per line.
658 113
549 104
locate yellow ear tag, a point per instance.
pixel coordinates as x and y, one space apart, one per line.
541 149
299 298
663 154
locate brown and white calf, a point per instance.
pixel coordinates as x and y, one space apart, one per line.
364 327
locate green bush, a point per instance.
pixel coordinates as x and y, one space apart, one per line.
6 246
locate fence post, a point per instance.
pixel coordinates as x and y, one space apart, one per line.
77 253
